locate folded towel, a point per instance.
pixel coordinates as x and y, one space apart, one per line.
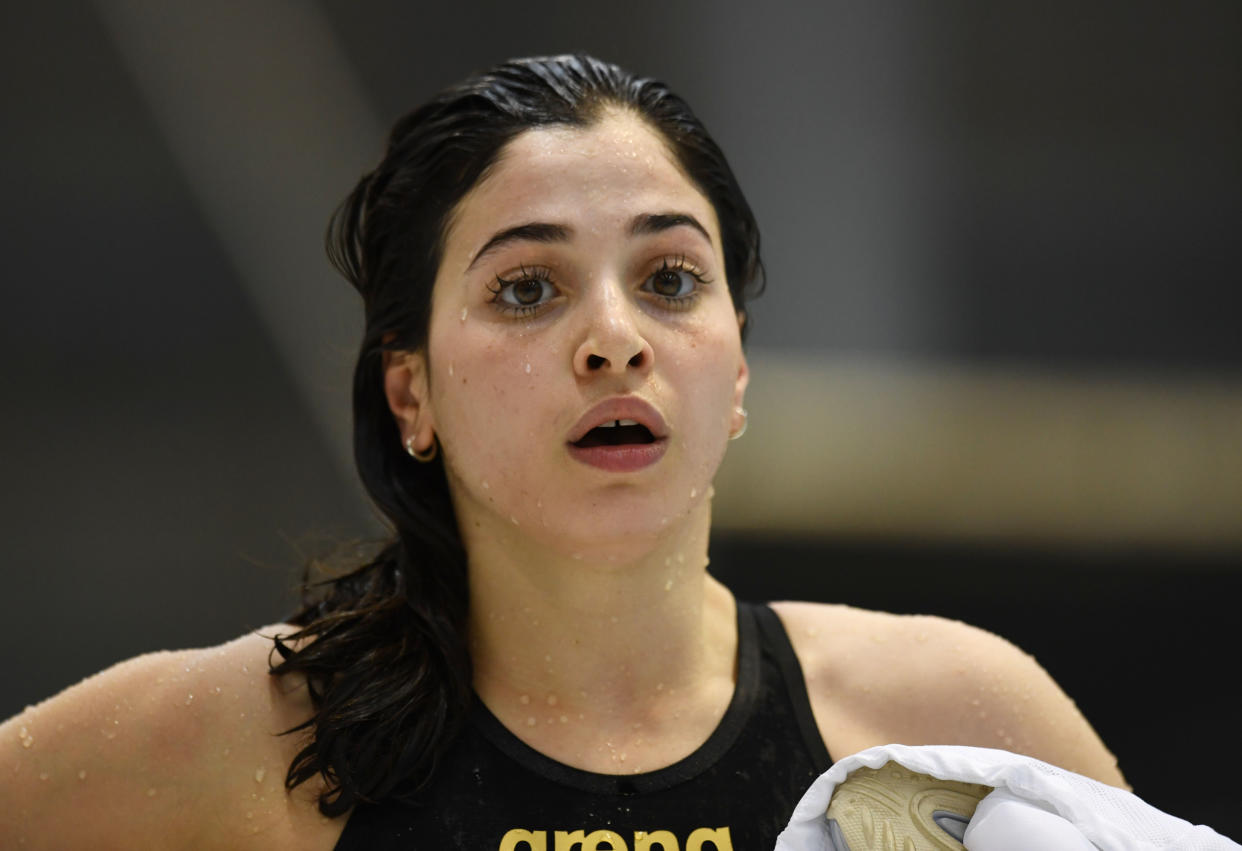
1035 806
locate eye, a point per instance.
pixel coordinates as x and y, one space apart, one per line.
677 282
672 283
523 293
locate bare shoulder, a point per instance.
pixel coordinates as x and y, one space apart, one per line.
878 678
180 748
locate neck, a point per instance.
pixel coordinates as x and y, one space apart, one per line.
556 637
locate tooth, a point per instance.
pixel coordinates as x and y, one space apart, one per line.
612 424
627 422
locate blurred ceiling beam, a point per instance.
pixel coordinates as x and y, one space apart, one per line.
271 128
841 447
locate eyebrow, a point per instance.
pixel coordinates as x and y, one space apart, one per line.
649 223
529 232
642 225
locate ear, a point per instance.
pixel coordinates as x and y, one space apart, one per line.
738 421
405 386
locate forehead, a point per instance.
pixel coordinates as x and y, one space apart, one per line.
591 178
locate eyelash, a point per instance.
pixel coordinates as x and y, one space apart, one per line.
543 275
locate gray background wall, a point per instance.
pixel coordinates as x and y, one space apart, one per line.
998 193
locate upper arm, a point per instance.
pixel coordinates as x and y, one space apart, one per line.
985 691
876 678
165 750
96 764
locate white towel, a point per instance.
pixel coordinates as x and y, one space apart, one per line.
1036 806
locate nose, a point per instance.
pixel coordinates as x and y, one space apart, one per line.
612 342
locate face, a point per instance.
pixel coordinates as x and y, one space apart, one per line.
582 285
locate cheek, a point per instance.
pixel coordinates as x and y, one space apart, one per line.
705 370
483 400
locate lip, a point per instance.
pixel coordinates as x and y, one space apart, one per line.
620 408
627 458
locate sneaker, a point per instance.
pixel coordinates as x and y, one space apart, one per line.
892 808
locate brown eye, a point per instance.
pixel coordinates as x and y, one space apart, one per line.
524 294
527 292
669 282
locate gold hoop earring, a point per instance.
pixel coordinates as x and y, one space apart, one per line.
740 411
427 455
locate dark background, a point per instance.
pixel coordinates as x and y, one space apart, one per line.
1002 187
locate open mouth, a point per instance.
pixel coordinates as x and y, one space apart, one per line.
616 433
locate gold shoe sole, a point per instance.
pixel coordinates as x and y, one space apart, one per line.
892 808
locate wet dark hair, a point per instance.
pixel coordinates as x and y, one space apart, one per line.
383 648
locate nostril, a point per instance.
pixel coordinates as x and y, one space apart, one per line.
595 361
637 360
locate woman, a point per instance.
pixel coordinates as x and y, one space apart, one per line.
555 260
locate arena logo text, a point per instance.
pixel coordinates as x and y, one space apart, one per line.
703 839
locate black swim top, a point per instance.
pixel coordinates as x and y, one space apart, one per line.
735 793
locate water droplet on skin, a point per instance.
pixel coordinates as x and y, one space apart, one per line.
527 369
152 792
227 751
465 311
486 486
450 369
524 699
245 670
43 775
189 698
531 721
578 556
694 492
514 520
659 686
259 774
564 719
82 774
551 700
547 657
249 815
668 586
